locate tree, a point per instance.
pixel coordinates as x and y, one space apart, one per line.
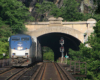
68 11
48 54
5 32
4 46
97 2
90 55
14 14
44 8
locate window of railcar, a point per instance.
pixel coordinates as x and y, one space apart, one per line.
25 39
15 38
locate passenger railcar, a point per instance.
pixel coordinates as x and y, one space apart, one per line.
23 50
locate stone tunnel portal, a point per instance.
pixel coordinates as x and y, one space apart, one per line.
51 40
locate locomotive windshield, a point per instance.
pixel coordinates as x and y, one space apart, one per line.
25 39
15 38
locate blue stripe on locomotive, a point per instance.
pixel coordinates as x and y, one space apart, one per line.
24 44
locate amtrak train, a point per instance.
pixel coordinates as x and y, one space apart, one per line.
24 50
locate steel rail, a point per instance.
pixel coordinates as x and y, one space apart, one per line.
37 73
68 75
18 75
5 71
12 76
61 76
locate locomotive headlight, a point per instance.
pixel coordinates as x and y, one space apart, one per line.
20 48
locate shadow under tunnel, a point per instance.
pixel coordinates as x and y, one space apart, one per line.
51 40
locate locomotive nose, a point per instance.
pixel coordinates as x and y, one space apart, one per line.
20 42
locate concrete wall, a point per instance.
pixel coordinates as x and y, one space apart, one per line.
76 29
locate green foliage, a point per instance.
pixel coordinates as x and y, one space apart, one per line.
14 14
90 55
68 11
87 16
37 5
98 6
56 12
97 29
96 17
45 7
5 32
48 54
4 46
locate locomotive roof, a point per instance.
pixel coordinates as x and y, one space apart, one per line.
20 35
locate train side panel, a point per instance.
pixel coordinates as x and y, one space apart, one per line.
39 52
33 51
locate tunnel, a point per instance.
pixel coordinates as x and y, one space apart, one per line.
52 40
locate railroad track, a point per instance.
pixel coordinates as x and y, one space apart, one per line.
10 74
5 70
63 74
51 71
19 73
44 71
28 74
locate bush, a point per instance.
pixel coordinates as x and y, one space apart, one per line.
4 48
48 56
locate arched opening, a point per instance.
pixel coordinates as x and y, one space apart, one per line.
48 53
51 40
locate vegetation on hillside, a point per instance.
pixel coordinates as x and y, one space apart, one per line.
68 11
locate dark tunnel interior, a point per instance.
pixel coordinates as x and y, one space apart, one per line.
51 40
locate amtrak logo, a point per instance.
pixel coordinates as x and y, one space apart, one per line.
19 44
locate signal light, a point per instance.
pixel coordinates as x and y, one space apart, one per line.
62 47
14 48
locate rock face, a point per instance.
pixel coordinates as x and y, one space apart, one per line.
83 7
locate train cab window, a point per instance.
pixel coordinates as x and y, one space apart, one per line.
15 38
25 39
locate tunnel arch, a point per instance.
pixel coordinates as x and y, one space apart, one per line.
58 29
52 40
72 37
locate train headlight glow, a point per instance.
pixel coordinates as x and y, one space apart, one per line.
20 48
